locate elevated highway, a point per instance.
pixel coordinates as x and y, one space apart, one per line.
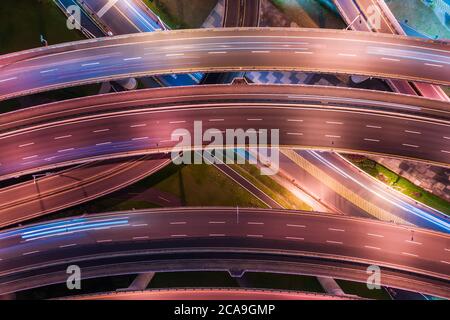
217 50
375 16
57 191
142 122
238 240
210 294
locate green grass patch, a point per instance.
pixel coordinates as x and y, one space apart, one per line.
49 96
23 21
401 184
360 289
419 16
204 185
283 282
205 279
269 186
159 9
182 14
310 13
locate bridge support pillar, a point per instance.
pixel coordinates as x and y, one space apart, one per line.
331 286
140 282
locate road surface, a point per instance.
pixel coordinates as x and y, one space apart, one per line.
215 50
241 13
120 124
419 253
376 17
210 294
32 199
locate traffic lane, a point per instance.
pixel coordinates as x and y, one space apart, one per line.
227 53
290 34
350 11
326 96
369 8
373 241
30 200
86 21
100 135
137 19
356 57
152 129
232 13
378 193
251 13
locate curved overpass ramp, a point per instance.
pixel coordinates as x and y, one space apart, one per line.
219 50
142 122
222 238
67 188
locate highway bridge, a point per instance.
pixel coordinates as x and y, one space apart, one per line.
142 122
209 294
232 239
59 190
217 50
367 15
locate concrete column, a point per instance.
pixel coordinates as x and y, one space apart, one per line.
140 282
331 286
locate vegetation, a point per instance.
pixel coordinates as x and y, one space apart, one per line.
22 22
283 282
265 183
361 290
204 185
182 14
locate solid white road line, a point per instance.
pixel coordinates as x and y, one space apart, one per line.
410 145
62 137
338 230
409 254
9 79
413 242
26 144
68 245
31 252
296 225
294 238
375 235
334 242
141 238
